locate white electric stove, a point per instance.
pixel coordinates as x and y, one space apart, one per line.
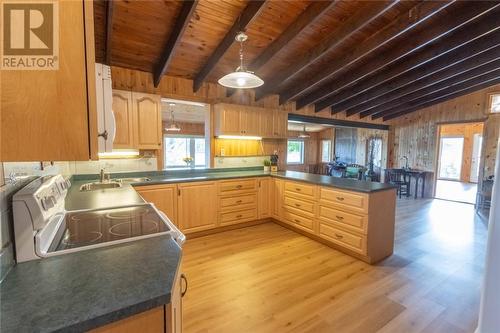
43 228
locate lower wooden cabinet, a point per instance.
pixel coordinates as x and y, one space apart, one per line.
264 196
197 206
277 198
151 321
164 197
173 311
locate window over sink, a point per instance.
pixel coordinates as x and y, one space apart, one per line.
183 151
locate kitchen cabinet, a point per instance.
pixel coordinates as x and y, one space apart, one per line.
197 206
147 120
299 205
237 201
231 119
277 200
164 197
150 321
264 207
124 123
173 313
50 115
137 119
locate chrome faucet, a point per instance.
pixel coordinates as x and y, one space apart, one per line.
104 176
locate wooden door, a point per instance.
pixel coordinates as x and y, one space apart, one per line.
277 198
266 119
249 121
122 110
164 197
264 198
173 314
197 206
147 120
46 114
280 124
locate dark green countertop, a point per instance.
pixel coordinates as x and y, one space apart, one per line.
83 290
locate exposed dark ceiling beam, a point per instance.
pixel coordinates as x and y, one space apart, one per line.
247 15
109 30
380 65
454 81
404 23
181 23
420 78
487 79
355 23
308 16
483 18
335 122
444 98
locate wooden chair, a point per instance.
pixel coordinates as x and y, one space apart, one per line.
400 179
484 193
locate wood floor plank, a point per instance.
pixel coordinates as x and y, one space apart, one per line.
266 278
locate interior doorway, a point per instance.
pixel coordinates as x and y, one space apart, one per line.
458 163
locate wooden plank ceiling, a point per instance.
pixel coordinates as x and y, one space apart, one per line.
382 59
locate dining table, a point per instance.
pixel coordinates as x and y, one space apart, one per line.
417 174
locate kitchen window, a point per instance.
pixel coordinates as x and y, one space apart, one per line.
326 150
494 103
177 148
295 152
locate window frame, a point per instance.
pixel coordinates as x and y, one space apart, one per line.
302 152
192 151
329 150
490 102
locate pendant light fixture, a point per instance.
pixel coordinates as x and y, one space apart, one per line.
304 134
241 78
173 127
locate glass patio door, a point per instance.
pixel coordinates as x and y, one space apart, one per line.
450 157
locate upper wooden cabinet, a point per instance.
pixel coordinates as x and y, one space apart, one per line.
50 115
122 109
138 120
147 120
232 119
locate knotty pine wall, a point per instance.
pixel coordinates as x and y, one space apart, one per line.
414 135
186 128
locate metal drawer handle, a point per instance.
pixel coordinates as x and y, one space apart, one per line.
298 189
339 236
239 186
239 216
296 221
339 217
297 205
340 198
239 201
183 278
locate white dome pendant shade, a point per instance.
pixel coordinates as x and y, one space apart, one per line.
241 78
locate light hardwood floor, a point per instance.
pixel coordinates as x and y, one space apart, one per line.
267 278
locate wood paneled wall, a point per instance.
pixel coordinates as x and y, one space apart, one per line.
416 134
467 131
186 128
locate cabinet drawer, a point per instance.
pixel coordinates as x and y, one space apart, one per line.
303 189
351 241
302 205
238 202
344 199
358 223
299 221
235 186
238 216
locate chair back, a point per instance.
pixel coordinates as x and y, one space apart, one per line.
397 176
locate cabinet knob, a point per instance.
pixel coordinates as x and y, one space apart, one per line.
239 216
239 186
296 221
297 189
239 201
339 236
339 217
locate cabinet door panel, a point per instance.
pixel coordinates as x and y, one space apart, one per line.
227 120
164 197
197 206
122 110
147 119
280 124
266 118
249 121
45 113
264 198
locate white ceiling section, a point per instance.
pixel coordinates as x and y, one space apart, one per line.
184 111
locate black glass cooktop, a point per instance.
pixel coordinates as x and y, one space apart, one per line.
86 228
